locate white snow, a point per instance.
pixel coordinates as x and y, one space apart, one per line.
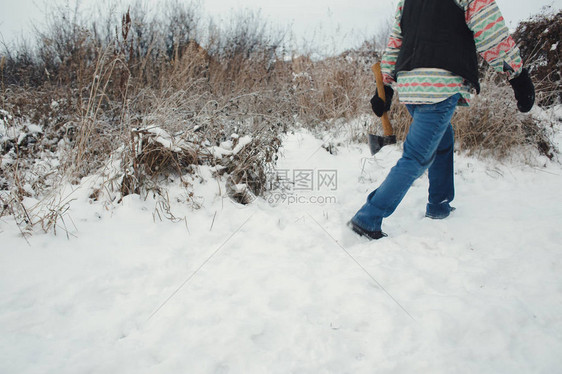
242 142
264 289
8 159
240 188
226 147
164 138
21 137
5 114
34 129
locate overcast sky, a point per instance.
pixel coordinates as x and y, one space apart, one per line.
310 19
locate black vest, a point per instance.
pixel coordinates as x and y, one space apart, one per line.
435 35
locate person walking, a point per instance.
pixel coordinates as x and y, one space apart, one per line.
431 59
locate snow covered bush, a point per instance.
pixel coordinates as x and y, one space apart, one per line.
539 41
139 99
492 126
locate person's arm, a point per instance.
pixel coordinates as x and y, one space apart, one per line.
496 46
390 56
491 35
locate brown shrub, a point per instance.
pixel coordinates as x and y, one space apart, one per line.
96 89
491 126
539 41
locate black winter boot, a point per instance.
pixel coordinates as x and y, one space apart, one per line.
368 234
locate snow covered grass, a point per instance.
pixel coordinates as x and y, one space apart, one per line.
183 279
288 288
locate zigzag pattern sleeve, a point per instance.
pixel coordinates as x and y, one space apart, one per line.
390 56
491 35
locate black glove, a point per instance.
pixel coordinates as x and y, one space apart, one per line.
524 91
379 106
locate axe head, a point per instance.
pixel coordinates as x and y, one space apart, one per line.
377 142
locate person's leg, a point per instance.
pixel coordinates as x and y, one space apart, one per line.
430 122
441 178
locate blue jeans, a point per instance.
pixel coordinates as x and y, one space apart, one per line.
429 145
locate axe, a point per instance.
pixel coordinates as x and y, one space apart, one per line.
377 142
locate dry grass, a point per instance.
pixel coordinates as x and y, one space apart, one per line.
539 41
98 90
491 126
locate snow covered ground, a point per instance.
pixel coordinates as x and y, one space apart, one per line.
286 287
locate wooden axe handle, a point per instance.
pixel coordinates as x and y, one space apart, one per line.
386 126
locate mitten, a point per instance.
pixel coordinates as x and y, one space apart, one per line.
524 91
379 106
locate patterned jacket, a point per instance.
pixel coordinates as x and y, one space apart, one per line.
429 86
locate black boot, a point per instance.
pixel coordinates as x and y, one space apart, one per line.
368 234
438 211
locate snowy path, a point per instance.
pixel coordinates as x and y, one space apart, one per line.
262 289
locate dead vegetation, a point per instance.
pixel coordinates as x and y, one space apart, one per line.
158 97
491 126
539 41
